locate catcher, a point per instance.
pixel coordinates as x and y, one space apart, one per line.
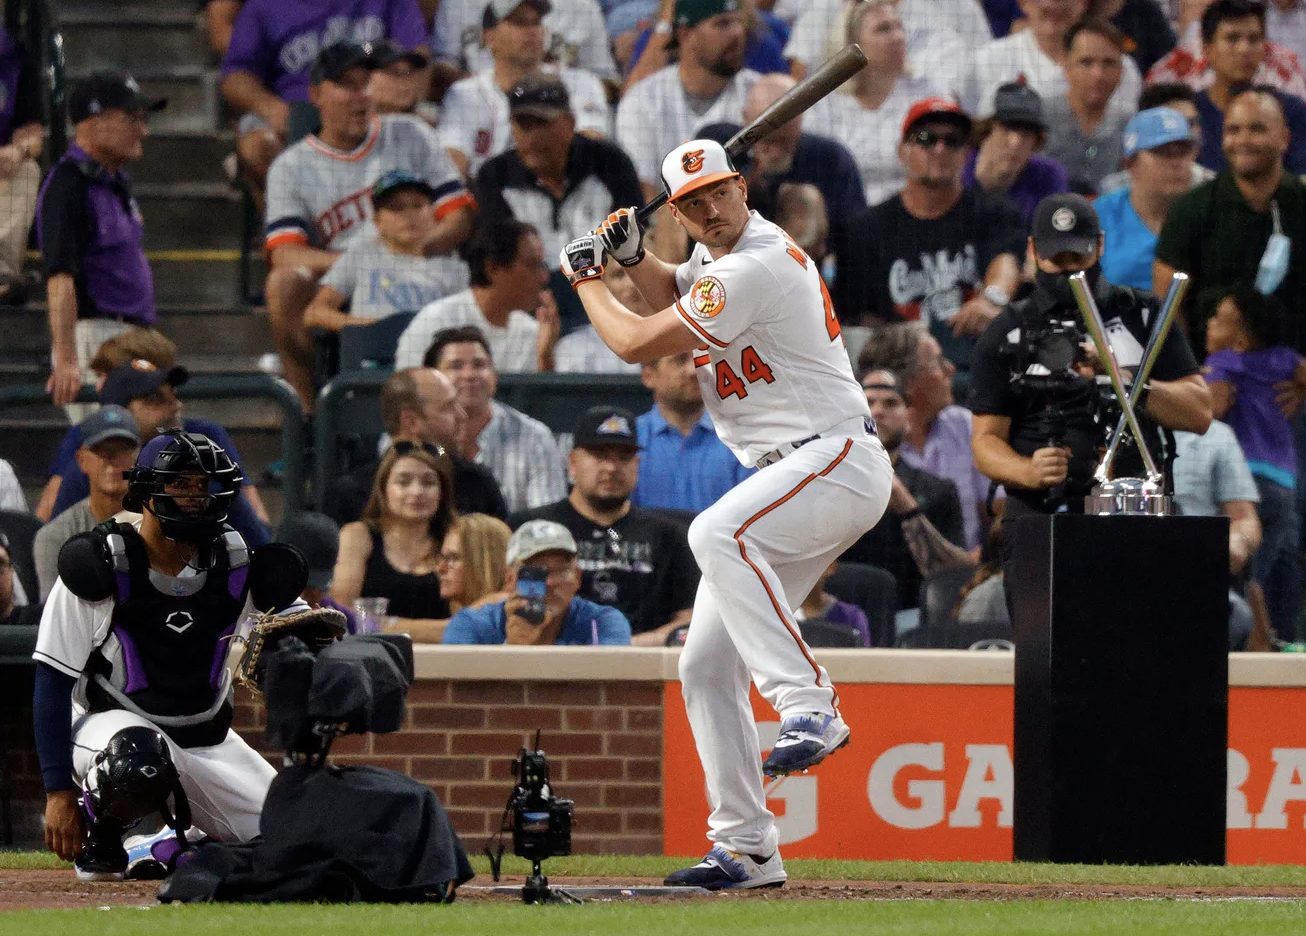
132 702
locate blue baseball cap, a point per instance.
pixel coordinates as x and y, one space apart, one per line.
1155 127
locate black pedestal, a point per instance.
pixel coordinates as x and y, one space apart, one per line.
1122 676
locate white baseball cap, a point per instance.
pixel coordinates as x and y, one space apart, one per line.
693 165
537 536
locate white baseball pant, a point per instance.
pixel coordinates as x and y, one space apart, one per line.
225 783
761 549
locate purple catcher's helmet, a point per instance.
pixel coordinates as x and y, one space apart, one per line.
166 459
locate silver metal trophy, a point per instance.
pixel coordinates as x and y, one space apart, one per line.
1144 496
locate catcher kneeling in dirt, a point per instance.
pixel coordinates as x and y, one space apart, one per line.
132 703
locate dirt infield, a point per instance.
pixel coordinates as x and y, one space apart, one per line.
38 890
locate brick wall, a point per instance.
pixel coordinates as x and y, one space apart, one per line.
603 739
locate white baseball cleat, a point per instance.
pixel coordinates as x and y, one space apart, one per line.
722 869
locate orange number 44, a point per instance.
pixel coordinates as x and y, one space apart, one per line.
728 383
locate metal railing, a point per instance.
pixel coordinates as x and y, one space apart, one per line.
215 387
34 25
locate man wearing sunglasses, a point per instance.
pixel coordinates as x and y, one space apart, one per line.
936 252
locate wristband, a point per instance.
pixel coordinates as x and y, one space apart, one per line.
581 276
909 514
1143 393
635 260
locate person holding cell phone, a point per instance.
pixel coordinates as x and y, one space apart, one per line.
541 607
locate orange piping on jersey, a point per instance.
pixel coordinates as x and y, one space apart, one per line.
743 552
697 328
453 203
373 134
285 238
701 359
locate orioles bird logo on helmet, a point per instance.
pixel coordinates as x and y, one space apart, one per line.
692 161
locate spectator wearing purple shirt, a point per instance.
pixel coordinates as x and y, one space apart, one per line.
1006 161
823 606
274 44
1246 359
938 431
91 233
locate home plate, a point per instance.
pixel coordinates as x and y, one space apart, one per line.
591 892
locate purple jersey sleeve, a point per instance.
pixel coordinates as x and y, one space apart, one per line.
248 51
406 26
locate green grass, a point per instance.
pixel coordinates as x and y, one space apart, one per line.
652 866
693 916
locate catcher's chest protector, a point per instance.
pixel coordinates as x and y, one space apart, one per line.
174 647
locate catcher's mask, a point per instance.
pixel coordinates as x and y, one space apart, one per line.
188 460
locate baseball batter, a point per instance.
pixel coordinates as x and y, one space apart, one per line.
777 382
132 704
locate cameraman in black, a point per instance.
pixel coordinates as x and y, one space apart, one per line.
1041 416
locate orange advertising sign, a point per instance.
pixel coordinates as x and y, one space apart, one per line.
928 776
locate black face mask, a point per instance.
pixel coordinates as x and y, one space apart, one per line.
1057 285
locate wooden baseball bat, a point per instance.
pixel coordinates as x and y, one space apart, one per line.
841 66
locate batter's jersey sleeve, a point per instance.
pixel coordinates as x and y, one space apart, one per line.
726 297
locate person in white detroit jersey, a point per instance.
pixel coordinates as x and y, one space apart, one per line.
778 385
319 196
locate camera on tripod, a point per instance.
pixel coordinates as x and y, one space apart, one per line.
540 823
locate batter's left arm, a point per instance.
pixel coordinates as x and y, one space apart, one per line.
634 338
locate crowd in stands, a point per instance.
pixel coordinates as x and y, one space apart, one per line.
423 163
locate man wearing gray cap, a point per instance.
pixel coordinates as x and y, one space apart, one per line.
543 578
110 441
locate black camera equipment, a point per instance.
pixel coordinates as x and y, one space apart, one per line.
354 686
1043 361
321 822
540 824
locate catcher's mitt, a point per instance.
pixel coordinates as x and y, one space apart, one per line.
316 627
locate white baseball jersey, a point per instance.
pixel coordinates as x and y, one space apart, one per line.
576 36
72 627
321 196
773 367
512 345
656 115
474 114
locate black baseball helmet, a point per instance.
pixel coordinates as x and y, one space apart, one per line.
167 459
